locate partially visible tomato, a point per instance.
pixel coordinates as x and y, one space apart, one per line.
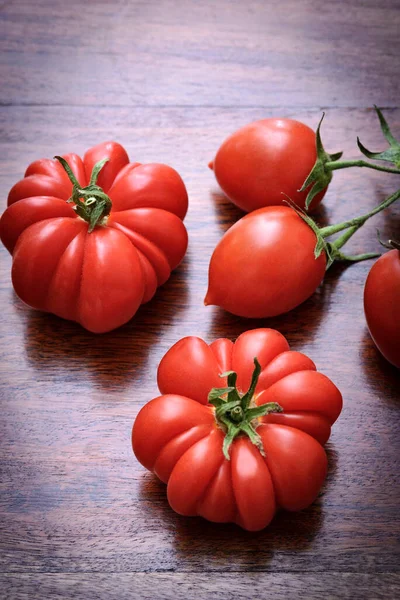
265 265
96 277
382 305
261 162
234 456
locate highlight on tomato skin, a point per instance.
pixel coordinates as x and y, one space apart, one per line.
92 239
239 428
265 161
382 304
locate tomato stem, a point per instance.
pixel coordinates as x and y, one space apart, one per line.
321 173
390 244
357 222
345 164
340 241
392 153
233 411
332 249
91 203
356 257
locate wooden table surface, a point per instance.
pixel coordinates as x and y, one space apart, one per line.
80 518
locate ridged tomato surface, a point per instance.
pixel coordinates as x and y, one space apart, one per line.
177 436
98 279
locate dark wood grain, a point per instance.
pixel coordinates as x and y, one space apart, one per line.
170 80
178 586
225 53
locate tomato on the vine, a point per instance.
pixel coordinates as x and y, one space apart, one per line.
236 437
92 239
265 161
274 258
265 264
382 304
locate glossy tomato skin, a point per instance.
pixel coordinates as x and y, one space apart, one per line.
264 265
382 305
98 279
264 160
177 436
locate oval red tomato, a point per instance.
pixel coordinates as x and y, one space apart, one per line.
382 305
180 437
97 278
264 265
264 160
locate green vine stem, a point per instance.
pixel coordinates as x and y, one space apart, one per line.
345 164
359 221
322 171
91 203
235 413
391 154
332 249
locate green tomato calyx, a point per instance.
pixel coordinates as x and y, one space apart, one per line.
90 202
332 249
391 154
321 174
236 413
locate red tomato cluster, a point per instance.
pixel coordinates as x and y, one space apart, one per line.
273 250
185 449
240 427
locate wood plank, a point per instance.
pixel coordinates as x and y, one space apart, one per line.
73 497
180 586
79 518
222 53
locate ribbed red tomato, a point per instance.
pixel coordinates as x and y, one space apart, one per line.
382 305
261 162
231 456
98 272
